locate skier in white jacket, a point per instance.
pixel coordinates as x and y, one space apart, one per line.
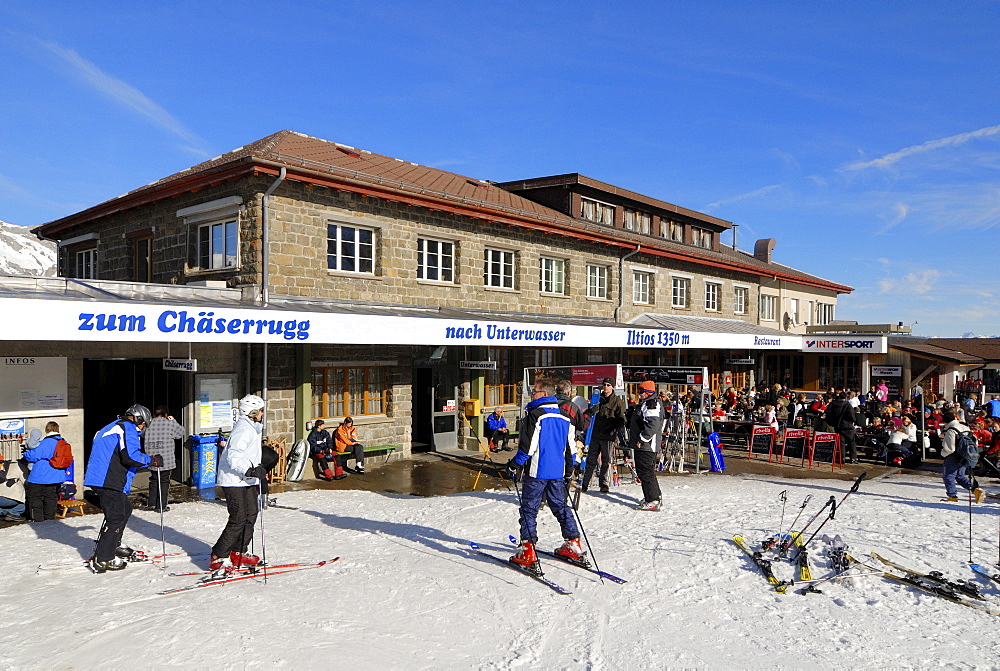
239 475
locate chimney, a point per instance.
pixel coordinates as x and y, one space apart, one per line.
762 249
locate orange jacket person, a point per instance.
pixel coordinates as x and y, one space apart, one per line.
345 441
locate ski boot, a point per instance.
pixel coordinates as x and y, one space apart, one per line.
572 552
240 560
114 564
526 558
653 506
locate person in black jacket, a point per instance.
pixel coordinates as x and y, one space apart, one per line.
645 432
840 415
608 417
321 446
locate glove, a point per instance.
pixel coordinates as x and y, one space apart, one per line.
256 472
156 460
514 470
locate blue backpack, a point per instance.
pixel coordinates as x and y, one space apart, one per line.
966 448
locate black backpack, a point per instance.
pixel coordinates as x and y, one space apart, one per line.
966 448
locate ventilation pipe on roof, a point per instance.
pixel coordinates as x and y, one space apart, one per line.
264 279
762 249
621 280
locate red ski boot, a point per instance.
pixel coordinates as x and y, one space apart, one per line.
526 557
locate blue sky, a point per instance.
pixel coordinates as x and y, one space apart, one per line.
864 136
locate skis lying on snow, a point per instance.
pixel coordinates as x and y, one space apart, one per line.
961 587
801 558
272 571
583 563
763 564
506 562
134 557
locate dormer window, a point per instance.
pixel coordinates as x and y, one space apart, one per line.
672 230
597 212
638 221
701 238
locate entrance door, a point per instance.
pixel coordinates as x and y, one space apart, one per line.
445 409
422 434
110 387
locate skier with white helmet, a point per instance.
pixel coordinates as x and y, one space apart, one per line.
239 475
115 456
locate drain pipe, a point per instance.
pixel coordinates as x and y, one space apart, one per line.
621 280
264 252
264 257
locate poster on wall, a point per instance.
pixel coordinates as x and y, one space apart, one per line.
215 402
33 386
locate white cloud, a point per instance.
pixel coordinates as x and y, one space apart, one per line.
900 210
124 94
743 196
888 160
919 282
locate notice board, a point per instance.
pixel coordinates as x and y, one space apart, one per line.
32 386
762 441
793 445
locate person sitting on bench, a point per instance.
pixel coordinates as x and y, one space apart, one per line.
496 430
346 441
321 446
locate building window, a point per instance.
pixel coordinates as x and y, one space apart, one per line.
740 295
712 291
597 281
824 314
839 372
638 221
701 238
348 392
641 285
597 212
217 245
673 230
143 263
435 260
350 249
793 311
86 264
553 278
501 384
788 369
680 292
768 308
498 269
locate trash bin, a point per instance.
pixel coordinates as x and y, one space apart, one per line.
204 457
715 452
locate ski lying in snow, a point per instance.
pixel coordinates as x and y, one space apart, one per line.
763 564
506 562
985 571
930 586
958 586
801 558
244 576
585 564
136 557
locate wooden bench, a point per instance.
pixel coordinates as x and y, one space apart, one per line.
389 449
69 507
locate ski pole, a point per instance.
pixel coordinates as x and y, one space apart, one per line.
583 532
261 498
854 488
788 533
833 512
784 499
832 501
161 506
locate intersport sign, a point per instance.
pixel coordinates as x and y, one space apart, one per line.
846 344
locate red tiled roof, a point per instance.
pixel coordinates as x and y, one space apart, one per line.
323 162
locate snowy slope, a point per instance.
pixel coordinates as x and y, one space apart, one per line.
406 594
21 253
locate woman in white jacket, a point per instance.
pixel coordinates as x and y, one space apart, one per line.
239 476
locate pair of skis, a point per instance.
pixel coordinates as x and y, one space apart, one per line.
538 575
255 572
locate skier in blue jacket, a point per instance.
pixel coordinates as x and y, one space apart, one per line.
114 458
41 489
547 445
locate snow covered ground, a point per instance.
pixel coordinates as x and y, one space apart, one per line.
407 594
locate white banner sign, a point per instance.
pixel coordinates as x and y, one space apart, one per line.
845 344
887 371
93 321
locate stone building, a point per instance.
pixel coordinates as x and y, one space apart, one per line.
407 271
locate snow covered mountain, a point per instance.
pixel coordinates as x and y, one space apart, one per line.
21 253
